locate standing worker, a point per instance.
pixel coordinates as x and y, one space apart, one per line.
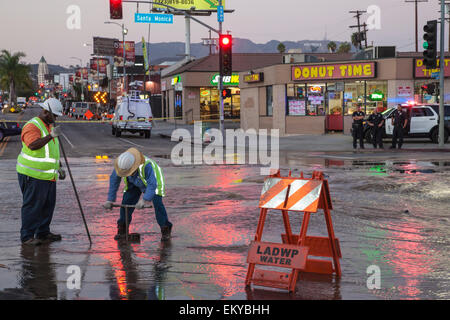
140 175
38 168
376 121
357 127
399 121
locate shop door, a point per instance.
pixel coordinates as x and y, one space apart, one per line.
334 118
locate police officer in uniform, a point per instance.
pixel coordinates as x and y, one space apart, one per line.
376 121
357 127
399 121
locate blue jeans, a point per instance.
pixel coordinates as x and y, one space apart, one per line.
39 198
131 197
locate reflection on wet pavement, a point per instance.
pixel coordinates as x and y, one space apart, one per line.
393 214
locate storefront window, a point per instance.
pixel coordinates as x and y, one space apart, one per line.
315 102
210 104
334 100
269 100
353 96
376 96
425 91
296 99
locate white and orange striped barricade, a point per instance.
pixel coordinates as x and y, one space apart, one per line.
300 195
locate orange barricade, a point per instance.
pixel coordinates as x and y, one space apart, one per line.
300 195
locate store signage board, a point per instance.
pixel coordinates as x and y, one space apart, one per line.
404 91
232 80
153 18
377 96
357 70
175 80
254 77
203 5
421 72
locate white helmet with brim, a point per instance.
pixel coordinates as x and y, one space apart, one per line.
55 106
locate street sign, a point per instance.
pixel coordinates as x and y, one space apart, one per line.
153 18
435 75
220 14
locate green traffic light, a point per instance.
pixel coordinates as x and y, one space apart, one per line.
425 45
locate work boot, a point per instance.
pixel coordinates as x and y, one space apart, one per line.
121 231
165 232
32 242
50 237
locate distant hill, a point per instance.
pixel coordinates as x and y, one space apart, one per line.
175 50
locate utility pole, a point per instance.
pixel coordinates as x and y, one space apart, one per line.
416 14
441 80
358 15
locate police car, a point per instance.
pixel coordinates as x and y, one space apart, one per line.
423 122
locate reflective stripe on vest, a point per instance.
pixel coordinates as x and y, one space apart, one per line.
43 163
160 183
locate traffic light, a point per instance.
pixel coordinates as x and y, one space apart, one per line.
225 54
115 9
430 44
226 93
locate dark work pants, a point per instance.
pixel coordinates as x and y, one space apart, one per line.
377 136
39 198
397 135
131 197
358 133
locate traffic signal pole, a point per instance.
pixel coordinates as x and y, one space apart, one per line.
441 80
222 118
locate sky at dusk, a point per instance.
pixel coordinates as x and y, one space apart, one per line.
39 28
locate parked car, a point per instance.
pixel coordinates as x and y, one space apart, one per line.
423 122
9 128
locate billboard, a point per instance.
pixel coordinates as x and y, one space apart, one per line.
102 66
129 53
209 5
104 46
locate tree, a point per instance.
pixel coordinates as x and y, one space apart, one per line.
281 48
355 39
332 46
13 74
345 47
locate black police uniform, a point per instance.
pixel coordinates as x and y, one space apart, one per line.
377 132
399 121
357 129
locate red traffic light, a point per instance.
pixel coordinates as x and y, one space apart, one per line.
115 8
226 93
225 40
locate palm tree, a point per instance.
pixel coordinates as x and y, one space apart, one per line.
345 47
281 47
13 74
332 46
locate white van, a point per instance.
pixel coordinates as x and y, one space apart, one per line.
134 115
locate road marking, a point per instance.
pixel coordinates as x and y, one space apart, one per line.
73 147
4 146
137 145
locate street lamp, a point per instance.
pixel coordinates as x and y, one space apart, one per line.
124 32
98 67
82 78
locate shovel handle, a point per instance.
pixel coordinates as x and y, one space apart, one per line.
128 206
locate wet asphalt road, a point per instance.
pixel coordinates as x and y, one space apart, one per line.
389 213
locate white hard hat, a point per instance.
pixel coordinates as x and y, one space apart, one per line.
128 162
54 104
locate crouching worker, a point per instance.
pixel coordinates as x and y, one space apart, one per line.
141 175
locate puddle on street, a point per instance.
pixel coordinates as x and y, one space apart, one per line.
392 214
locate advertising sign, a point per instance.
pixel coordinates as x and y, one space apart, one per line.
334 71
102 66
297 108
145 54
421 72
232 80
208 5
129 53
104 46
255 77
404 91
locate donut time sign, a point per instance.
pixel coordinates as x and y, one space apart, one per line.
354 70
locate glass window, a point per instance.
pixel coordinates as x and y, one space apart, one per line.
418 112
315 99
425 91
269 100
353 96
376 96
334 100
209 103
296 99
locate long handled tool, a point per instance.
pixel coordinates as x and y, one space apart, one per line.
71 178
132 237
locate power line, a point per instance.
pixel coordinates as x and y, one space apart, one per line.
416 13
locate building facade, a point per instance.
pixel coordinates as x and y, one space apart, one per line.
319 97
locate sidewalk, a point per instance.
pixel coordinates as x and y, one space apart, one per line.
308 143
